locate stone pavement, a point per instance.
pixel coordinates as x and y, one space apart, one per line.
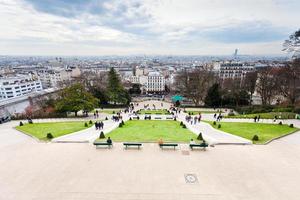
30 170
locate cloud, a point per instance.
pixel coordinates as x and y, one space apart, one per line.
146 26
247 32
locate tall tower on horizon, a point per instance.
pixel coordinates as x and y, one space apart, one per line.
235 54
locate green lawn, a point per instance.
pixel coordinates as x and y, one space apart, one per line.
265 132
40 130
109 110
270 115
151 131
157 112
196 112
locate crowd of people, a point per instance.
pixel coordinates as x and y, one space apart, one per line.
99 125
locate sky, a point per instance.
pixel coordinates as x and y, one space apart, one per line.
151 27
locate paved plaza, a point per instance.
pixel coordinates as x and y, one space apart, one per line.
34 170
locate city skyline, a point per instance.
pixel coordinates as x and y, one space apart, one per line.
32 27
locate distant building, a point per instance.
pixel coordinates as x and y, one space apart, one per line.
52 78
233 70
17 86
152 83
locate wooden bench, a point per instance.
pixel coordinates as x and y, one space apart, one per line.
202 145
168 145
98 144
127 144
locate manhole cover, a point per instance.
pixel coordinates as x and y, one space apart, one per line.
191 178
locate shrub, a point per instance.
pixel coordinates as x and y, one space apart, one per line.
297 110
219 125
49 136
280 123
90 122
200 137
289 109
122 122
292 125
106 118
21 124
101 136
86 124
174 118
183 126
138 118
255 138
181 123
214 123
113 112
120 125
130 118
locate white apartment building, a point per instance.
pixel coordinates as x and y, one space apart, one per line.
11 87
155 82
233 70
134 79
52 78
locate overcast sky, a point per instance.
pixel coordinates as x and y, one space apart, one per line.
169 27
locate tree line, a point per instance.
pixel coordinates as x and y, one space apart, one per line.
90 91
203 86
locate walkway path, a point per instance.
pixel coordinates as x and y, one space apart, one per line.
90 134
212 135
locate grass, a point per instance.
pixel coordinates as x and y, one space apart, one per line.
157 112
270 115
109 110
265 132
202 111
151 131
40 130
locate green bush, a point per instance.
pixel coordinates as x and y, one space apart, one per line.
101 136
21 124
200 137
214 123
219 125
90 122
181 123
292 125
297 110
86 124
255 138
280 123
120 125
130 118
49 136
183 126
122 122
106 118
288 109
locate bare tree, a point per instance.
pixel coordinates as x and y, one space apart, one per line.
293 44
249 83
194 84
289 81
267 85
